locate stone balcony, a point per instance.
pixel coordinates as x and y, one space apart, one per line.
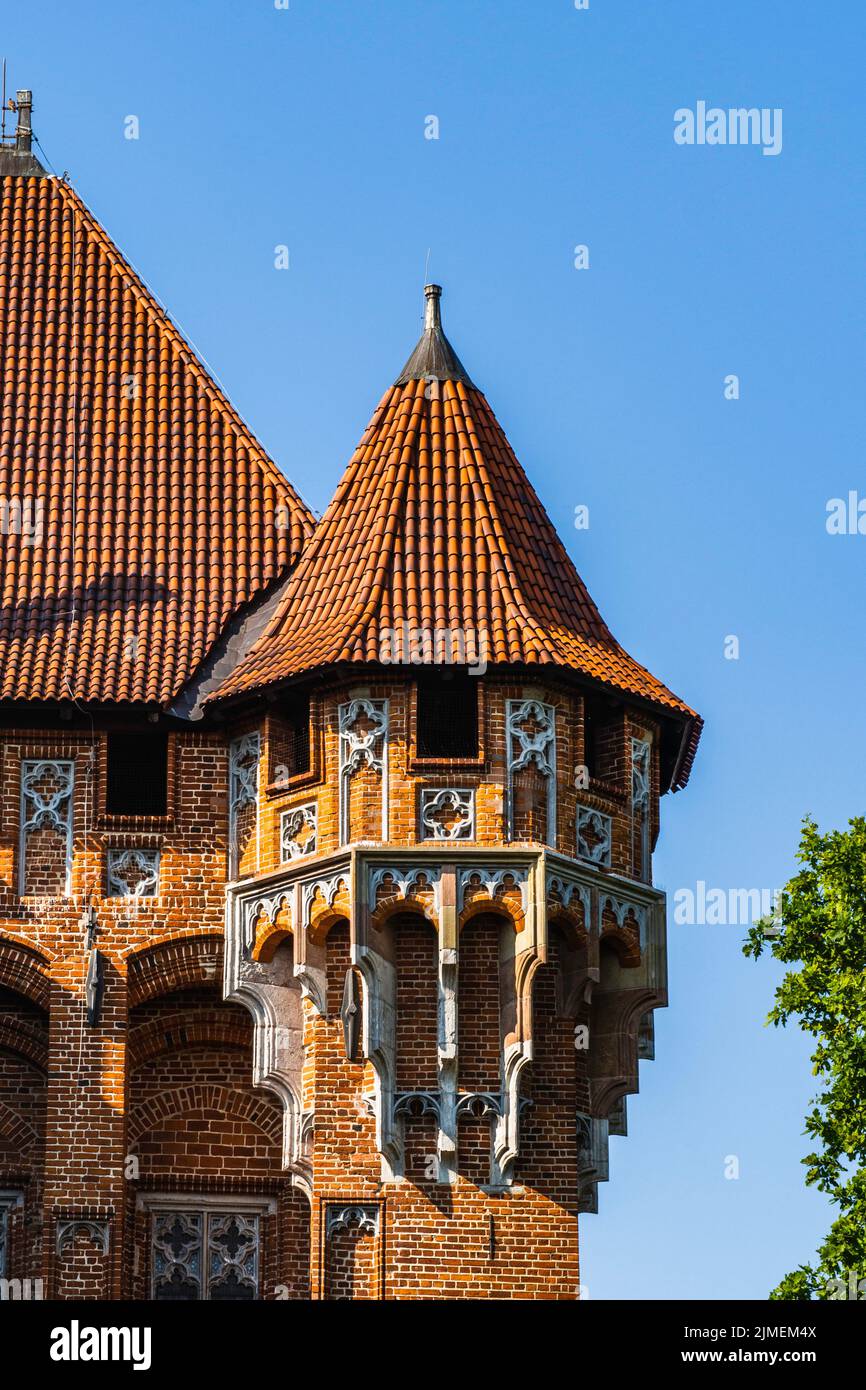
611 954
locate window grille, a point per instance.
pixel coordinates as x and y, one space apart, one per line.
204 1256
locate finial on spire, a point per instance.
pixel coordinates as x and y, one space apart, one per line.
434 359
432 315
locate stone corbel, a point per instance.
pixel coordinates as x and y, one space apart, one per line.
523 954
272 995
309 967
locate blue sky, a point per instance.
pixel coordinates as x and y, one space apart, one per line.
305 127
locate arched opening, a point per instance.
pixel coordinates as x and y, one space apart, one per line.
212 1213
23 1085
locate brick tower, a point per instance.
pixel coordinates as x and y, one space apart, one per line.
328 940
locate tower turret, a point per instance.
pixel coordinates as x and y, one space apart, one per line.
443 915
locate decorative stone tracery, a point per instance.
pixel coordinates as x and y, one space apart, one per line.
46 804
640 804
448 813
244 755
133 873
299 832
530 732
363 726
594 836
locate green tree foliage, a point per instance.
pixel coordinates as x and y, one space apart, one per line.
819 929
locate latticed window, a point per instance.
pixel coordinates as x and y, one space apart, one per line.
204 1255
447 717
297 714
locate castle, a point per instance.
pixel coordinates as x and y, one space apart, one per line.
328 939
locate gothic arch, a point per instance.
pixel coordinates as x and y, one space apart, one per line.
25 970
186 962
171 1104
208 1027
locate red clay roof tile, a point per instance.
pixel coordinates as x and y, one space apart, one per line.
435 524
160 513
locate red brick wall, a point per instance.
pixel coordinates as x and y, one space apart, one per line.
166 1040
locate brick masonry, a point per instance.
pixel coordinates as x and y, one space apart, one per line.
158 1102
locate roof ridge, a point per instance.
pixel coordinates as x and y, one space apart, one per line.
190 355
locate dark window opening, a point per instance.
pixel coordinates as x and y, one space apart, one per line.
447 717
296 748
137 783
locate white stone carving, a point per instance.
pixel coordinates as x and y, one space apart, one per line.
594 836
413 1104
640 773
133 873
244 754
567 890
361 747
479 1105
299 829
328 887
453 804
46 803
530 737
640 800
68 1230
269 908
621 907
408 883
342 1218
494 879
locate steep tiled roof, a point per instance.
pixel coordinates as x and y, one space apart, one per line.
435 524
148 512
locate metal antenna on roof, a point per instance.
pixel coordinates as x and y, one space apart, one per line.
427 268
3 118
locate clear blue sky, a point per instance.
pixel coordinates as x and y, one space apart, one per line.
305 127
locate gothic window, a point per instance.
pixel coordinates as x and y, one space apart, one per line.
137 776
447 717
204 1256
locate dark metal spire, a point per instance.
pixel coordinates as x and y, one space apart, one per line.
434 357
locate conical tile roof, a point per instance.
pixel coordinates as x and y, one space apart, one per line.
435 525
137 511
